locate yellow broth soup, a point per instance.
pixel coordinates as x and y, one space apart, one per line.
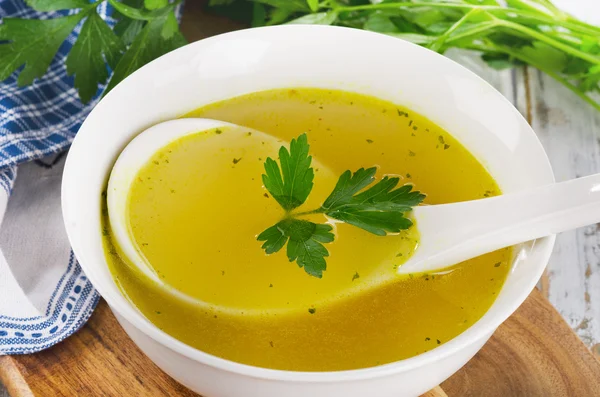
197 207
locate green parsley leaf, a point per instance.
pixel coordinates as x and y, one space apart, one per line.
148 45
380 209
552 58
32 43
259 15
55 5
313 4
498 61
376 219
170 27
291 185
274 238
319 18
304 243
96 45
279 15
126 28
294 5
140 13
154 4
379 22
348 185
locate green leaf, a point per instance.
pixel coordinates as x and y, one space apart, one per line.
438 28
510 40
550 57
380 209
499 61
155 4
259 15
313 4
294 5
140 13
55 5
319 18
372 219
379 22
405 26
170 27
591 80
96 45
279 15
292 185
304 243
424 16
33 43
385 191
590 44
148 45
348 185
576 66
126 28
414 38
274 238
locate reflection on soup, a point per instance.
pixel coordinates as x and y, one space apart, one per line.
196 208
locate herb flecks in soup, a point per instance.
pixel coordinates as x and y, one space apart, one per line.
197 217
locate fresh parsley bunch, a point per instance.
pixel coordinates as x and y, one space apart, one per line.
379 208
146 29
506 33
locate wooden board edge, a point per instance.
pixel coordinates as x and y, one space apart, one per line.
435 392
12 378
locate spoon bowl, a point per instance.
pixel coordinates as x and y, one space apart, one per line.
134 157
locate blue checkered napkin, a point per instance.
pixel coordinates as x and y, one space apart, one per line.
36 121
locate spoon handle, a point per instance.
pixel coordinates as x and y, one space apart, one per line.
452 233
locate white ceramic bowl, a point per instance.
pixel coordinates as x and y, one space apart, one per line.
295 56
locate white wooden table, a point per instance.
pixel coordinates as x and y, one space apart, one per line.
570 132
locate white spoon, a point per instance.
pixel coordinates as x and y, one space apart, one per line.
450 233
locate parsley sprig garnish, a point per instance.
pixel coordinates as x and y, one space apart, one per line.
379 208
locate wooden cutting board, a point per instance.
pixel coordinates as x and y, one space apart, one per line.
534 353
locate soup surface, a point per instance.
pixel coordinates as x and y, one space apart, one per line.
198 205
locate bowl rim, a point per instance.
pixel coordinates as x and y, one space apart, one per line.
475 332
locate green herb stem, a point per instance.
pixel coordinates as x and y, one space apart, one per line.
550 41
491 47
319 210
571 23
475 31
439 42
